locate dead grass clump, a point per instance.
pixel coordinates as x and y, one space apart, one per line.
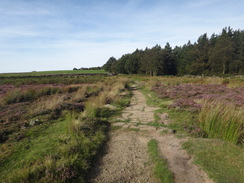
45 104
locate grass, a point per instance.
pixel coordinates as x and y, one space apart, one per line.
161 169
182 121
223 121
30 94
235 81
61 150
52 79
53 153
222 160
72 72
39 73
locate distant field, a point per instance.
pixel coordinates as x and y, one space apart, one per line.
72 72
37 73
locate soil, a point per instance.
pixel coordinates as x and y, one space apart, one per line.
126 158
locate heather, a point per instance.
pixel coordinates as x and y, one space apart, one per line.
219 108
189 96
52 133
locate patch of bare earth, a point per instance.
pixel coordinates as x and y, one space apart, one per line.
127 159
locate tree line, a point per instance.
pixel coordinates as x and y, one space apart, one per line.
221 54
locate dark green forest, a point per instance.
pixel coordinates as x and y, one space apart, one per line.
220 54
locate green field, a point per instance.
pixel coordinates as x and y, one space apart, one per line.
39 73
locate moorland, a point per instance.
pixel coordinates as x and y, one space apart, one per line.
56 129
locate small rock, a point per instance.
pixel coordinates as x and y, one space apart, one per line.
123 94
34 122
110 106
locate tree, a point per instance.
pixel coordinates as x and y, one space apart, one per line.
184 58
132 64
222 54
237 64
120 65
169 60
219 54
200 56
110 65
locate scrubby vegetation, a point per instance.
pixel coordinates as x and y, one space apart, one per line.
51 129
219 108
51 79
210 110
51 133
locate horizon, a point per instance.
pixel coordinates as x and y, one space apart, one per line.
61 35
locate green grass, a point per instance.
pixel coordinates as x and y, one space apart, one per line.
53 153
73 72
222 121
61 150
48 79
182 121
161 169
39 73
222 160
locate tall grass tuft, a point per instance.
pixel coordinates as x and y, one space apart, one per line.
222 120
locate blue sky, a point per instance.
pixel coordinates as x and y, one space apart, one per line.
37 35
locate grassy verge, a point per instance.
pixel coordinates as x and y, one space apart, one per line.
182 121
222 160
161 169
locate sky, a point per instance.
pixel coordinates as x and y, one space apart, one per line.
40 35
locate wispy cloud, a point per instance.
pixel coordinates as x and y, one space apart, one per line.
203 3
43 35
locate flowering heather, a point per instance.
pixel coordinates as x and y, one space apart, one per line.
187 96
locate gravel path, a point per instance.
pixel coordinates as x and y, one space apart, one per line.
127 160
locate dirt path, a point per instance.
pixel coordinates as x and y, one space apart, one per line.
127 159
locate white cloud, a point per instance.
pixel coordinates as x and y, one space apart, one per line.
202 3
44 35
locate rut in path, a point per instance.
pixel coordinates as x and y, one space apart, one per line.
126 159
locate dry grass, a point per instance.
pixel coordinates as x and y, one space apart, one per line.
45 104
175 81
62 150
